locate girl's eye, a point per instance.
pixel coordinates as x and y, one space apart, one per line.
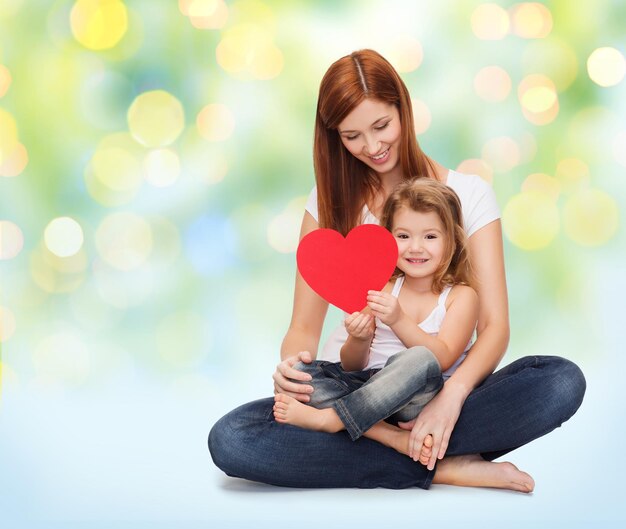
402 236
431 236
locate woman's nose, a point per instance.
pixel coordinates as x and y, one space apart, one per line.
372 146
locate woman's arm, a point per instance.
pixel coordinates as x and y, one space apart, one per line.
303 335
439 416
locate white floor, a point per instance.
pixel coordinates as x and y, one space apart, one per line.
134 455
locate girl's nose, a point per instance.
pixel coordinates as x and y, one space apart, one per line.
417 246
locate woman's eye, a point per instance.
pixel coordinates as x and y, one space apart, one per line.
382 126
351 137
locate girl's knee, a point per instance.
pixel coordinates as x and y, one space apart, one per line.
417 357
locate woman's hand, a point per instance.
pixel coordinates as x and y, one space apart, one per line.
438 419
384 306
360 326
285 371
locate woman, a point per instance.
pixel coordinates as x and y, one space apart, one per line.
364 146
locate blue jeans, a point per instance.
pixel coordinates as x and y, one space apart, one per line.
399 391
513 406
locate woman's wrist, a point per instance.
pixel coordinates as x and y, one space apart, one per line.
457 389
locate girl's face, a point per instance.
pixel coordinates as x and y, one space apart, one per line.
421 241
371 133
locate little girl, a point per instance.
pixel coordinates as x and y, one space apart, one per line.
396 353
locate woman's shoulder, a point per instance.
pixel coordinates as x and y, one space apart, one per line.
466 183
478 200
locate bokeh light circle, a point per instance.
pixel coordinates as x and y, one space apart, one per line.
7 324
538 98
590 217
405 53
161 167
5 80
99 24
606 66
422 117
14 160
11 240
478 167
542 183
531 20
248 51
283 232
530 220
215 122
156 118
206 14
124 240
492 83
63 236
490 22
571 174
501 153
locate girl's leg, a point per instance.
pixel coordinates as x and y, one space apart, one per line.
515 405
330 383
410 379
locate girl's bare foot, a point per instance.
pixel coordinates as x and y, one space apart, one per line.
474 471
427 444
288 410
426 452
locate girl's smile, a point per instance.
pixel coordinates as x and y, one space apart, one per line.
421 242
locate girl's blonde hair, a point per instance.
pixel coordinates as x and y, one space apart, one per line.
344 183
424 195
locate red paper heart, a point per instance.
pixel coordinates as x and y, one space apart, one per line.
342 270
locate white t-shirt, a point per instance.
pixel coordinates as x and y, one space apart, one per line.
479 208
478 202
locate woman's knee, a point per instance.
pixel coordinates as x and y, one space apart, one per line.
221 439
569 385
233 434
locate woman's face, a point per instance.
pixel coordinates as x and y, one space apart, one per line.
371 133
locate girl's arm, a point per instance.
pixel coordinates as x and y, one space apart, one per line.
455 333
439 416
355 352
303 335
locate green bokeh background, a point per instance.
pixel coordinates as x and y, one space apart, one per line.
199 323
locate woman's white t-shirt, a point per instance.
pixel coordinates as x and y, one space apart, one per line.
479 207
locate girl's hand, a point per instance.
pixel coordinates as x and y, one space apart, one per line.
438 419
285 371
384 306
360 326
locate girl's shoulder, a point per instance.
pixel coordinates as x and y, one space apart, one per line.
461 292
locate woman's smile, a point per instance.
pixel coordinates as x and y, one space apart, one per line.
382 157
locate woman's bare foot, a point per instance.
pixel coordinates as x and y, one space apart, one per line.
474 471
288 410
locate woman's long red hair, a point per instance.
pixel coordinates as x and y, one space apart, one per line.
344 183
